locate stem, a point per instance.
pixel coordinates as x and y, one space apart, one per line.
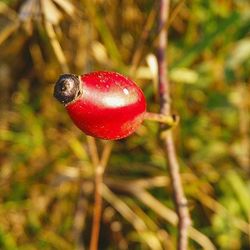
97 208
169 120
99 165
173 165
98 199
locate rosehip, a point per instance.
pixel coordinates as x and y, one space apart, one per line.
102 104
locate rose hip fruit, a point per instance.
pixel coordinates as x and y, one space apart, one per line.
102 104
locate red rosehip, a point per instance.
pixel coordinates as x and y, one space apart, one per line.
102 104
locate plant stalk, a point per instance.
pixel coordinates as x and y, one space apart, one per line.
97 208
99 165
169 147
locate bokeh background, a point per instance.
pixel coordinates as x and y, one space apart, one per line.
46 176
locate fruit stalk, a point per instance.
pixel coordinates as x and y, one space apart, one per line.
169 120
98 173
173 165
99 168
97 208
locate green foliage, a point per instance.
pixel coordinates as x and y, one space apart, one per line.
46 172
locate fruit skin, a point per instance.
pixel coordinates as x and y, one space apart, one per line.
102 104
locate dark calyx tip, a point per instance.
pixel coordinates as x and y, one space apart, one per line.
67 88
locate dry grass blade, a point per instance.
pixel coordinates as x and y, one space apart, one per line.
7 31
144 36
56 46
50 11
12 26
216 207
132 218
136 188
30 9
153 66
104 32
66 6
162 181
56 240
138 54
171 217
157 206
124 209
157 181
8 12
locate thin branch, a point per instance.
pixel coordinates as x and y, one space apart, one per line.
93 150
106 154
97 208
173 165
98 200
99 165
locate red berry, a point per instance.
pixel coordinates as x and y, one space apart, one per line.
102 104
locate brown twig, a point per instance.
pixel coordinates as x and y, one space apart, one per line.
99 165
93 150
106 154
173 165
174 12
97 208
98 200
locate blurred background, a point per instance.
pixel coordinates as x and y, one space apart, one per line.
46 176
